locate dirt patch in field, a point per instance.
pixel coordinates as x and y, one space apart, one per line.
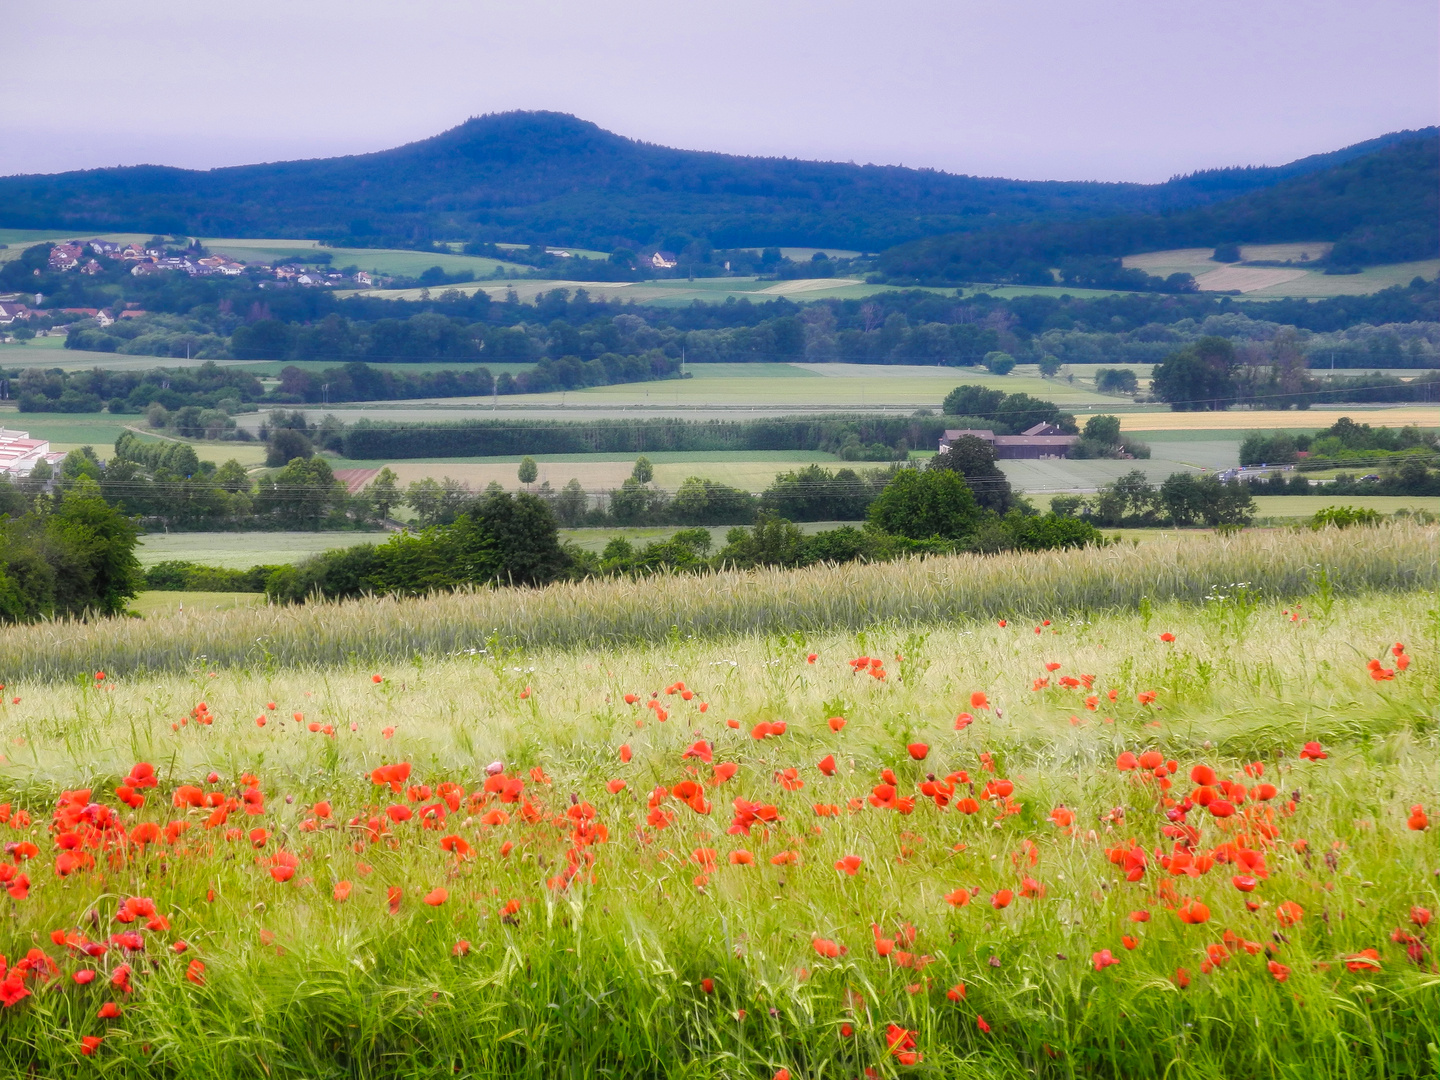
804 285
355 479
1246 278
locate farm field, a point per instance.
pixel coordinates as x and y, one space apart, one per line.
1304 506
745 469
161 604
1153 421
832 387
1278 281
673 292
381 260
242 550
437 857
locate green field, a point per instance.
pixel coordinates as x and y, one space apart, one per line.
893 387
1283 281
242 550
713 879
1304 506
376 260
673 292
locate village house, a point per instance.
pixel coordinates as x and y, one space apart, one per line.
664 260
1039 441
10 312
65 256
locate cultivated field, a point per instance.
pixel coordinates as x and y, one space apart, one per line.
391 838
1304 506
1271 281
1263 420
242 550
750 470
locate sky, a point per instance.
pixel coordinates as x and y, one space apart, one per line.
1034 89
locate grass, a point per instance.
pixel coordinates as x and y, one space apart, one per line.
1244 420
584 935
1281 564
596 539
801 387
158 604
750 470
242 550
1305 506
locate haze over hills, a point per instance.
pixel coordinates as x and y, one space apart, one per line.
552 178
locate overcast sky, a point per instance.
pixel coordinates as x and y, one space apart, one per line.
1045 89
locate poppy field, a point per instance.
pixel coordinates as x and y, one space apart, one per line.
1188 840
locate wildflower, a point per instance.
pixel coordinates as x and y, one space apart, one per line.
437 896
849 865
1289 913
1364 960
1167 636
1103 959
195 972
1311 752
1193 913
89 1044
836 723
918 750
1418 821
1001 899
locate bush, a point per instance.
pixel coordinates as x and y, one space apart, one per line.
499 539
1342 517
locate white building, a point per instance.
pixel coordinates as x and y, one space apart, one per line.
19 454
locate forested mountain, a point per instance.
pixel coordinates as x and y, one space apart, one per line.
551 178
1379 207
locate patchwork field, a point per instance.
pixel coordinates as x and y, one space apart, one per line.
1012 833
1270 281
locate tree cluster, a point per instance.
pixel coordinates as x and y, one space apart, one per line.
69 555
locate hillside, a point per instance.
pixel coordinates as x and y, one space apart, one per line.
1378 207
549 177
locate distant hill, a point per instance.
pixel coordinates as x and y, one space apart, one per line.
1380 206
551 178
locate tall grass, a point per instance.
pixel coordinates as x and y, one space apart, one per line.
605 978
1281 565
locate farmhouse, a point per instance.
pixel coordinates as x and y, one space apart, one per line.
1039 441
10 312
19 454
664 260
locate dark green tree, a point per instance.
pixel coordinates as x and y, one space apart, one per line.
974 459
922 505
1198 378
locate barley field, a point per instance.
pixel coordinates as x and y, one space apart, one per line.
1183 836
